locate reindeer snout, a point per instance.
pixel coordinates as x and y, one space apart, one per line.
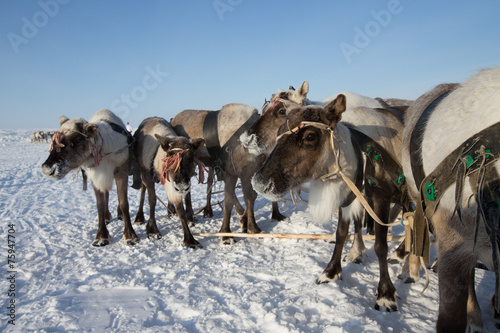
51 171
182 188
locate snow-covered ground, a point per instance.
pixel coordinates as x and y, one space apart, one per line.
63 283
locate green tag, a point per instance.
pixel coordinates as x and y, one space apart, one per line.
401 179
429 191
469 160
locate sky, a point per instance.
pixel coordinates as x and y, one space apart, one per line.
157 58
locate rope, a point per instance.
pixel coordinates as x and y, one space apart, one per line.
171 163
56 142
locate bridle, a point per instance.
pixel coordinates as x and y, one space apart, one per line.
337 169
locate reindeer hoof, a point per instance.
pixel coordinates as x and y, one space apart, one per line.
228 240
278 217
155 236
195 245
132 241
323 278
100 242
389 305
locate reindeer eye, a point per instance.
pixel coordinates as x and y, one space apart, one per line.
282 112
310 137
76 142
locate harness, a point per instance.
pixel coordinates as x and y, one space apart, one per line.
370 147
474 158
219 154
95 148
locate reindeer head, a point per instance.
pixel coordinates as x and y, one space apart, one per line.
178 163
261 137
302 152
71 146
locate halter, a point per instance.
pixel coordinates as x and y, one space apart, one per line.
171 163
337 169
96 149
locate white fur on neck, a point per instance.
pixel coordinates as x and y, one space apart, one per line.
326 197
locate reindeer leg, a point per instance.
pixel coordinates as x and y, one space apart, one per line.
398 255
358 249
107 213
229 184
102 235
456 266
474 319
121 179
334 269
151 228
189 210
207 211
139 217
276 215
189 240
410 269
386 292
250 196
238 208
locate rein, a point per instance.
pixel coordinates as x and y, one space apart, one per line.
171 163
337 169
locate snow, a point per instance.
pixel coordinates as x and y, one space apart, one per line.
63 283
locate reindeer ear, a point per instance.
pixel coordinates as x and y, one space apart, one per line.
90 129
197 143
62 120
291 88
302 93
333 110
164 141
304 89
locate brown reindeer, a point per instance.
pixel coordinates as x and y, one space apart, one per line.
260 140
236 163
314 146
167 158
101 148
451 158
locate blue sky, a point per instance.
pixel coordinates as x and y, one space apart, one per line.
156 58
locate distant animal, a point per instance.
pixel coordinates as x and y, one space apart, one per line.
314 146
101 148
39 136
222 151
167 158
451 159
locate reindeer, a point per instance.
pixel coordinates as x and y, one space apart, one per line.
315 146
101 148
451 151
229 157
167 158
260 140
